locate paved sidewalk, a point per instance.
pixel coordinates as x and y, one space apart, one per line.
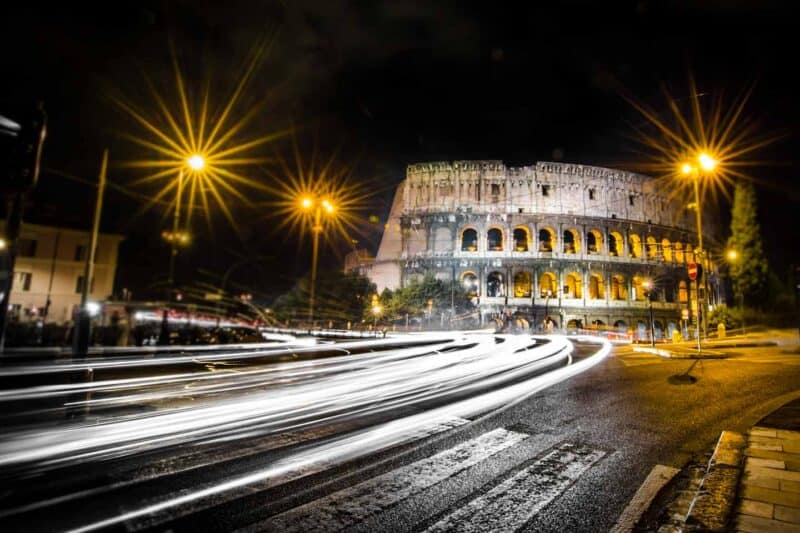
769 489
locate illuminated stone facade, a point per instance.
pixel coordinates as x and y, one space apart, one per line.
577 242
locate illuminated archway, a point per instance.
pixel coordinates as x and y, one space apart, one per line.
522 284
573 285
495 285
652 247
634 245
471 284
666 250
547 240
547 282
522 239
494 240
594 241
597 290
619 287
678 252
638 288
469 240
683 292
571 241
615 244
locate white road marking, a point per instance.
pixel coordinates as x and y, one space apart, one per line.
352 505
659 476
511 504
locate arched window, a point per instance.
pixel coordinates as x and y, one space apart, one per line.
652 247
621 326
619 289
594 242
683 292
679 252
495 286
547 285
666 250
637 288
470 283
615 244
494 240
574 286
522 284
634 245
669 291
521 239
547 240
469 240
597 290
571 243
688 252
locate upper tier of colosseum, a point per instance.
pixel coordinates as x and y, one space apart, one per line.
544 188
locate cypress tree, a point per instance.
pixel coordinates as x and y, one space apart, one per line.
749 270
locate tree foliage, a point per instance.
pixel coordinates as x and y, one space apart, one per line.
339 297
749 270
421 296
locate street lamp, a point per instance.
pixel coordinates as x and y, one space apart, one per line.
196 163
707 163
733 258
648 290
307 203
376 311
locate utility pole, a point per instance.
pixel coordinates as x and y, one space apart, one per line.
83 323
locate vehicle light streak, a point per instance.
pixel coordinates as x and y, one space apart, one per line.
450 376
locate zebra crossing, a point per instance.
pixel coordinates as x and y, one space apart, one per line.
505 503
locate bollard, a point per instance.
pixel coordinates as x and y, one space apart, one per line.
721 330
677 336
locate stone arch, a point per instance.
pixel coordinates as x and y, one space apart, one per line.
443 238
683 292
522 239
572 241
637 288
619 287
678 252
598 323
594 241
634 245
615 244
469 240
495 285
621 326
522 284
641 330
574 324
597 290
666 249
573 285
547 282
547 240
494 239
471 283
672 327
652 247
658 330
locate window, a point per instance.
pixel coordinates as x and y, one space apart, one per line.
495 189
545 190
520 239
547 285
630 199
591 194
80 252
26 247
546 240
494 240
470 283
495 286
522 285
469 240
22 281
79 285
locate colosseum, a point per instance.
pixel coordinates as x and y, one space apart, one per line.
578 245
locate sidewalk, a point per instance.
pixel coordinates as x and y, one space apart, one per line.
769 488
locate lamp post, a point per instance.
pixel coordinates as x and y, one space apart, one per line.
648 290
318 205
707 164
176 238
733 258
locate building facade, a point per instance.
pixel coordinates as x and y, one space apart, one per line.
581 245
50 268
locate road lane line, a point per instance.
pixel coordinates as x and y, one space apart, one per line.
352 505
659 476
511 504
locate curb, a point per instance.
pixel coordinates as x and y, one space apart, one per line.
678 355
713 504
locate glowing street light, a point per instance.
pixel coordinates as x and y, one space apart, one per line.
733 256
318 205
707 162
3 244
196 162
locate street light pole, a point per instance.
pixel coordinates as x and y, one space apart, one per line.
316 230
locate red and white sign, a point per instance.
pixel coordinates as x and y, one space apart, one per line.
692 270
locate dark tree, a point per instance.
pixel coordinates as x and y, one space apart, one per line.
749 270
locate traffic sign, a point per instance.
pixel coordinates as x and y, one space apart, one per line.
692 270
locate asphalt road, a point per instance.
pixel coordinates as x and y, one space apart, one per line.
568 458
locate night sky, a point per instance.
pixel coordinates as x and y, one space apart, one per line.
384 84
